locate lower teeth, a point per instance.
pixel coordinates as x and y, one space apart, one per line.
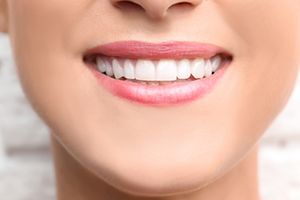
156 82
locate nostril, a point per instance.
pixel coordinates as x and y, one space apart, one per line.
128 5
155 9
182 5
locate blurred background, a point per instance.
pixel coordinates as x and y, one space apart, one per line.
26 171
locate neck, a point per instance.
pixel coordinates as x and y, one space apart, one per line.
75 182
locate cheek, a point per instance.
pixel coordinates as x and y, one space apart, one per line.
38 27
267 65
264 27
39 41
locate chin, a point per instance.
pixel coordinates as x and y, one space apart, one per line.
158 175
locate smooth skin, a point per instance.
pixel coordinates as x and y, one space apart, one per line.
108 148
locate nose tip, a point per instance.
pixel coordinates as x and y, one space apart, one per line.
155 9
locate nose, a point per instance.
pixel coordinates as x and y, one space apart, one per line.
155 9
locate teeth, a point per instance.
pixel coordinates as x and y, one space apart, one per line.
101 65
184 69
117 69
208 68
109 69
198 68
215 63
129 69
145 70
166 70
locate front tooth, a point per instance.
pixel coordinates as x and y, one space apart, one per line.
208 68
166 70
184 69
145 70
197 68
128 69
215 63
117 69
101 65
109 69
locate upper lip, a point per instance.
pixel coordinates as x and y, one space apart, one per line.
146 50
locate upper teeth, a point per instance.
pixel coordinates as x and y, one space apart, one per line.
160 70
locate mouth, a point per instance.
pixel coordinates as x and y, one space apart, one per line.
158 74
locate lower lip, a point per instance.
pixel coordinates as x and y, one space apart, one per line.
162 95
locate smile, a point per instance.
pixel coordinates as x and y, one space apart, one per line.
158 74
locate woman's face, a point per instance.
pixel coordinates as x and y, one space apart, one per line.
142 148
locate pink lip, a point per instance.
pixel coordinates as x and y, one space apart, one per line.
161 95
173 49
